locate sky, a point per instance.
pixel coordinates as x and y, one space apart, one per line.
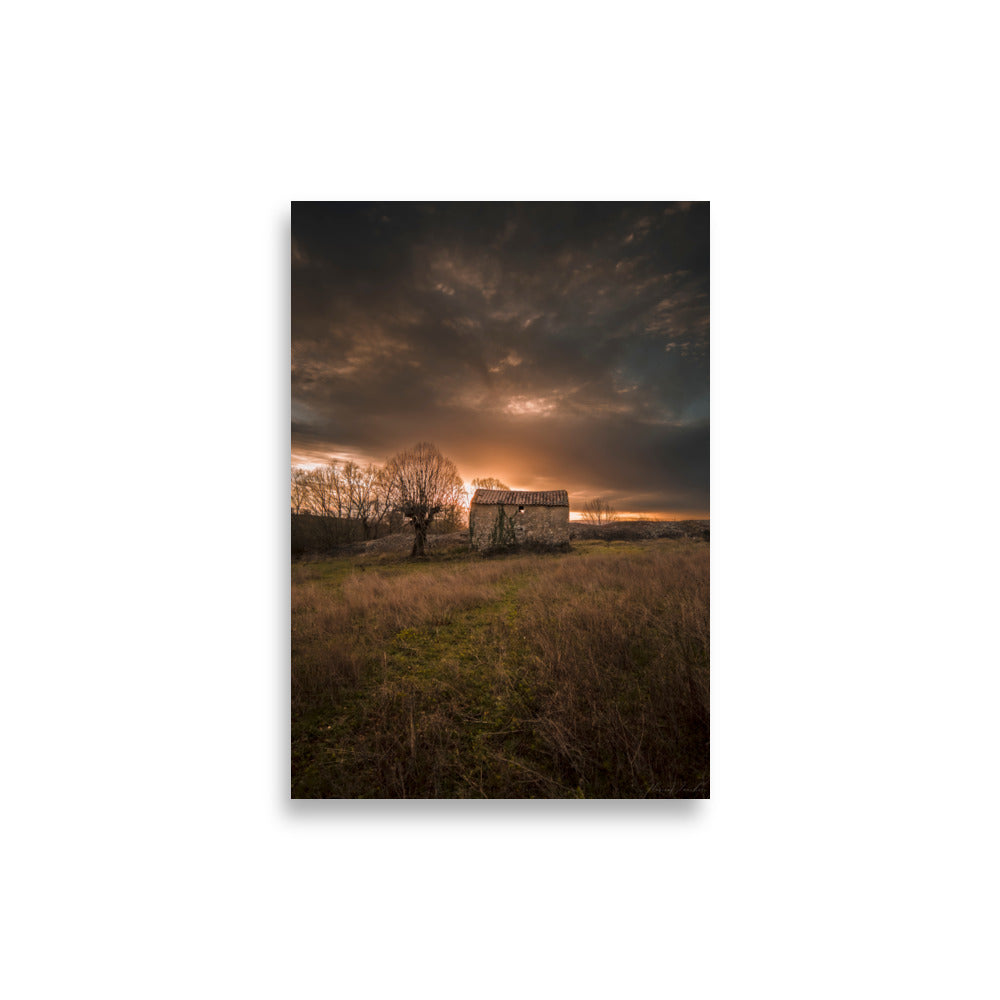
559 345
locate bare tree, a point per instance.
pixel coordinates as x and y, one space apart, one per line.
454 516
423 483
338 491
490 483
381 500
324 491
361 485
300 490
599 511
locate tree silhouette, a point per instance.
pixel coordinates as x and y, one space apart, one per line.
422 484
599 511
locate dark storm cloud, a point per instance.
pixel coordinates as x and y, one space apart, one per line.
549 344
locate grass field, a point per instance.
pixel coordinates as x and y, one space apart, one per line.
580 675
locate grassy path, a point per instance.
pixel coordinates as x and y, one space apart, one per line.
456 688
528 676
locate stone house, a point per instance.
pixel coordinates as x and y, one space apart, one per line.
501 519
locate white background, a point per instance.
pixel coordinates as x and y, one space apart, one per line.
849 848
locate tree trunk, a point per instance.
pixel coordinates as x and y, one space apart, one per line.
419 539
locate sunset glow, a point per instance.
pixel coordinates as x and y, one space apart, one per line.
552 346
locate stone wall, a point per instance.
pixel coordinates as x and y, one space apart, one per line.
538 525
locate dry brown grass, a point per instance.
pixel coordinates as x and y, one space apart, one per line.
336 630
583 674
619 663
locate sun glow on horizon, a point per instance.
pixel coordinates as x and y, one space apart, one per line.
309 463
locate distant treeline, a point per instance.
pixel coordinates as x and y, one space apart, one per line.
352 492
343 502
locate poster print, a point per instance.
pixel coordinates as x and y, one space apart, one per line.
500 500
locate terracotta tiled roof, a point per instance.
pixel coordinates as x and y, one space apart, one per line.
543 498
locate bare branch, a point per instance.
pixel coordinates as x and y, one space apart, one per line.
423 484
599 511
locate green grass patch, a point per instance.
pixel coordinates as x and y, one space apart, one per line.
580 674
